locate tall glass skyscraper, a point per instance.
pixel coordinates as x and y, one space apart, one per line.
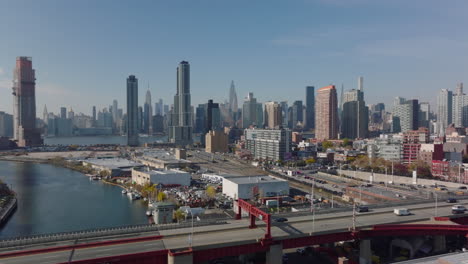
132 111
310 107
180 132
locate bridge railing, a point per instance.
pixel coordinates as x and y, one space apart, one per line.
98 233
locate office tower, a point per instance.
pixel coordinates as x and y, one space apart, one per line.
444 110
460 107
355 114
297 114
268 144
94 115
140 120
326 113
250 111
405 115
115 111
147 114
63 112
273 115
132 111
24 107
6 125
161 107
45 115
310 108
284 114
71 114
260 115
181 130
424 114
200 118
233 100
361 83
213 117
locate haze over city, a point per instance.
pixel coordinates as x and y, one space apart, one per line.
84 50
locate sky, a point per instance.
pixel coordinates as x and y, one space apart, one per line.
84 50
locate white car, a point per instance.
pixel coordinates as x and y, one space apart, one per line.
458 209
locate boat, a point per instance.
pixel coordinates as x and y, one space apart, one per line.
124 191
149 213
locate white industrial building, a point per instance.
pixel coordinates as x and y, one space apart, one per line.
146 175
249 187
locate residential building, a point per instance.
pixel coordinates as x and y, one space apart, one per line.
412 141
24 106
216 141
132 111
405 115
444 110
180 132
326 113
273 115
271 144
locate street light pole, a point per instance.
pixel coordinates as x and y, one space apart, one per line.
435 213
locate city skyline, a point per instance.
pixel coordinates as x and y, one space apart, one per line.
392 61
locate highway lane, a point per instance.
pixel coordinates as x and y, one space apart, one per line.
241 233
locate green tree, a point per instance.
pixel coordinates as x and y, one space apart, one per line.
326 145
210 191
310 161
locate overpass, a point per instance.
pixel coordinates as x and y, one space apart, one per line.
236 238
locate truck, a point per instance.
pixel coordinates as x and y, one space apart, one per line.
401 211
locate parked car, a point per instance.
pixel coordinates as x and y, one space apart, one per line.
300 251
462 187
281 220
401 211
451 200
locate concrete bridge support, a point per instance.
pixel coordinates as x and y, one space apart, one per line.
439 244
365 252
275 254
184 257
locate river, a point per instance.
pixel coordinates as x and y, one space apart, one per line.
53 199
93 140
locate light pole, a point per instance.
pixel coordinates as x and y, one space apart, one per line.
360 194
435 210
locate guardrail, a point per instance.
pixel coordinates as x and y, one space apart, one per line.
97 233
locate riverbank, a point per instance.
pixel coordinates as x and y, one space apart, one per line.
8 211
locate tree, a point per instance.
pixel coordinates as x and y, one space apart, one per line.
161 196
179 215
104 173
310 161
347 142
210 191
326 145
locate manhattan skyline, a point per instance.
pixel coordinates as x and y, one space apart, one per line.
402 49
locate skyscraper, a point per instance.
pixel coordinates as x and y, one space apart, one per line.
233 100
180 132
213 116
444 110
45 115
284 110
326 113
148 114
132 111
63 112
24 107
297 114
273 115
94 115
310 107
460 107
115 111
249 111
405 115
355 114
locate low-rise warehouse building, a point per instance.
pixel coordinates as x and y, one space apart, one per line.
146 175
162 159
116 167
250 187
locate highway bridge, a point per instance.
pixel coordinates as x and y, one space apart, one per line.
248 236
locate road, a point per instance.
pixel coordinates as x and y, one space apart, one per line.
217 235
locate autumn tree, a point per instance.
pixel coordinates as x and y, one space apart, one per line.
210 191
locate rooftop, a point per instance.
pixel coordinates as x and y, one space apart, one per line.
253 179
113 162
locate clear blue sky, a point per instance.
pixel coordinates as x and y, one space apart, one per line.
84 50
